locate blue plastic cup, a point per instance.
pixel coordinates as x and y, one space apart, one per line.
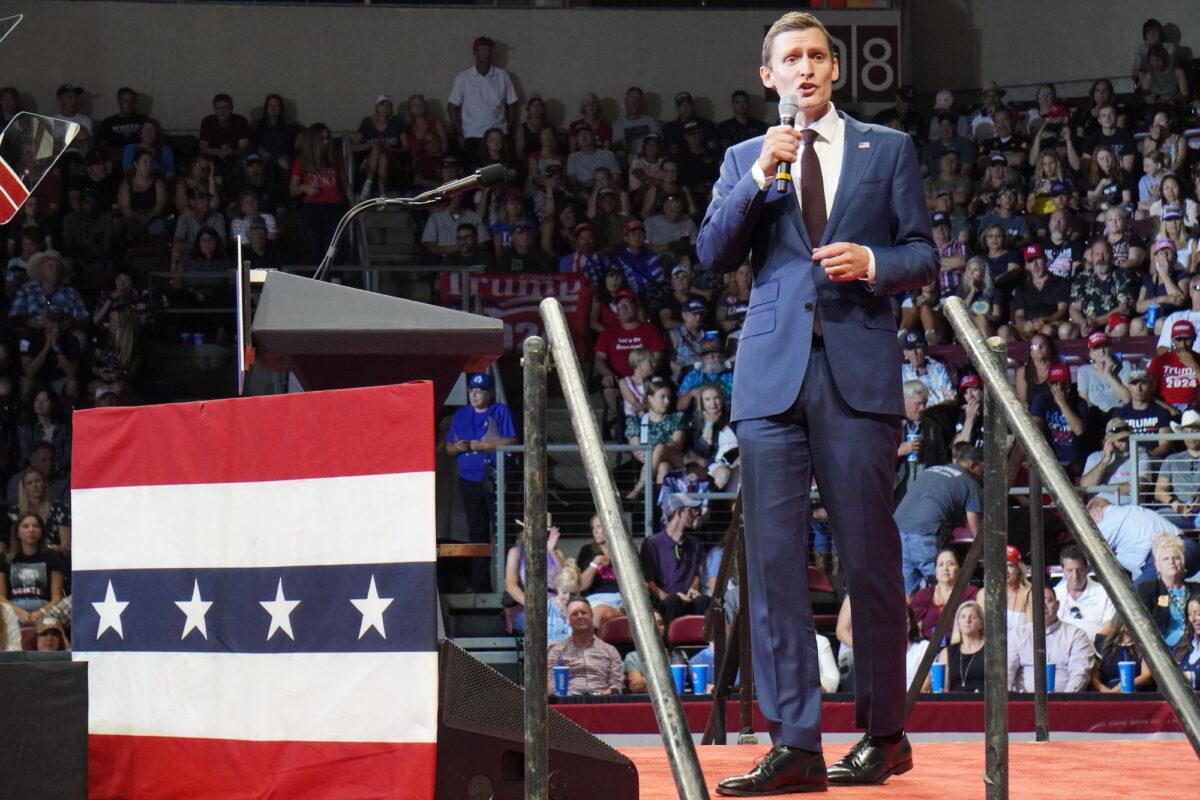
937 677
1151 316
700 678
562 680
1050 677
679 673
913 437
1127 670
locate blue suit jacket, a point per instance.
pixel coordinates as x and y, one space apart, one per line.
880 204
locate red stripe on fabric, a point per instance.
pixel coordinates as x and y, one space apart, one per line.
7 210
164 768
345 432
11 184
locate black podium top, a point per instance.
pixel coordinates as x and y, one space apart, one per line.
337 337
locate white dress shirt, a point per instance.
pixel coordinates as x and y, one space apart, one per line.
830 146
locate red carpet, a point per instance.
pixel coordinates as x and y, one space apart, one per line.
1118 769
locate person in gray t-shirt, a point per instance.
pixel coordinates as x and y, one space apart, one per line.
1101 382
1178 486
938 498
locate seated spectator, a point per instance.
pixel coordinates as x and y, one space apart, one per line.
643 269
1164 287
682 293
735 300
50 636
1152 35
67 96
1162 84
603 313
1101 290
32 576
633 387
1167 596
250 212
709 418
1040 303
378 144
440 236
531 136
1067 648
691 479
524 255
1061 415
1114 465
923 444
968 426
591 116
514 575
1164 137
587 158
1144 413
46 295
469 251
274 137
259 250
268 185
1062 243
631 129
201 215
946 137
586 259
671 227
699 164
1049 175
669 183
33 497
1153 169
635 678
1004 263
617 341
97 178
608 221
713 371
742 126
1128 249
1006 140
644 166
598 577
963 656
917 645
1008 216
142 200
42 458
1178 486
150 139
1111 650
89 236
118 356
511 211
1117 140
1082 601
949 177
197 272
320 183
224 135
1102 380
1177 371
918 366
664 433
1187 652
1174 206
595 665
1109 184
928 602
687 339
672 560
952 252
939 499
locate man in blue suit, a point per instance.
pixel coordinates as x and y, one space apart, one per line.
817 391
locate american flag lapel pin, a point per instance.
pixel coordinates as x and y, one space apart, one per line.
864 145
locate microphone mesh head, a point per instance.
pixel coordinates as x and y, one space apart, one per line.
789 104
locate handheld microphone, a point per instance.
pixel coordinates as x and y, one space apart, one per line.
788 106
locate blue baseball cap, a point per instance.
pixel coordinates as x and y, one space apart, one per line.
480 380
694 306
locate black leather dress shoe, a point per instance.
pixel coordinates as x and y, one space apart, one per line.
871 762
784 770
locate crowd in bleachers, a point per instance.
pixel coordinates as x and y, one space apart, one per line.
1064 220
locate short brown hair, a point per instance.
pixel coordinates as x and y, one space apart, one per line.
793 21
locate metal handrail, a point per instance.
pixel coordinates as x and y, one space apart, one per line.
681 750
1182 699
1149 439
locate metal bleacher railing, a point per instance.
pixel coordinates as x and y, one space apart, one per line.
1144 492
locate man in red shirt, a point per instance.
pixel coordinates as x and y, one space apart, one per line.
616 343
1176 370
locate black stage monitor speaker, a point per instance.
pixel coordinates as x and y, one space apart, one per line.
481 742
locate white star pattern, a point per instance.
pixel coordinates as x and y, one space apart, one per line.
372 607
280 610
110 613
195 609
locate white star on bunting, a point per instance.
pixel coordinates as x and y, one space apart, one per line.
110 612
195 609
280 610
372 607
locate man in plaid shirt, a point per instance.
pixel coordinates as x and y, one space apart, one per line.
595 664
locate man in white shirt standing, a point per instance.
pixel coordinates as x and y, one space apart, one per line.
482 97
1081 601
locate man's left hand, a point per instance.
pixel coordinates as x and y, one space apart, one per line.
843 261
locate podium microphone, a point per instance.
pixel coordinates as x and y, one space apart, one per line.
788 106
485 176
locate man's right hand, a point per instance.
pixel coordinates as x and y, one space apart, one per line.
782 143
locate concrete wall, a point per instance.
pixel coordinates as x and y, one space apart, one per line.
331 61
